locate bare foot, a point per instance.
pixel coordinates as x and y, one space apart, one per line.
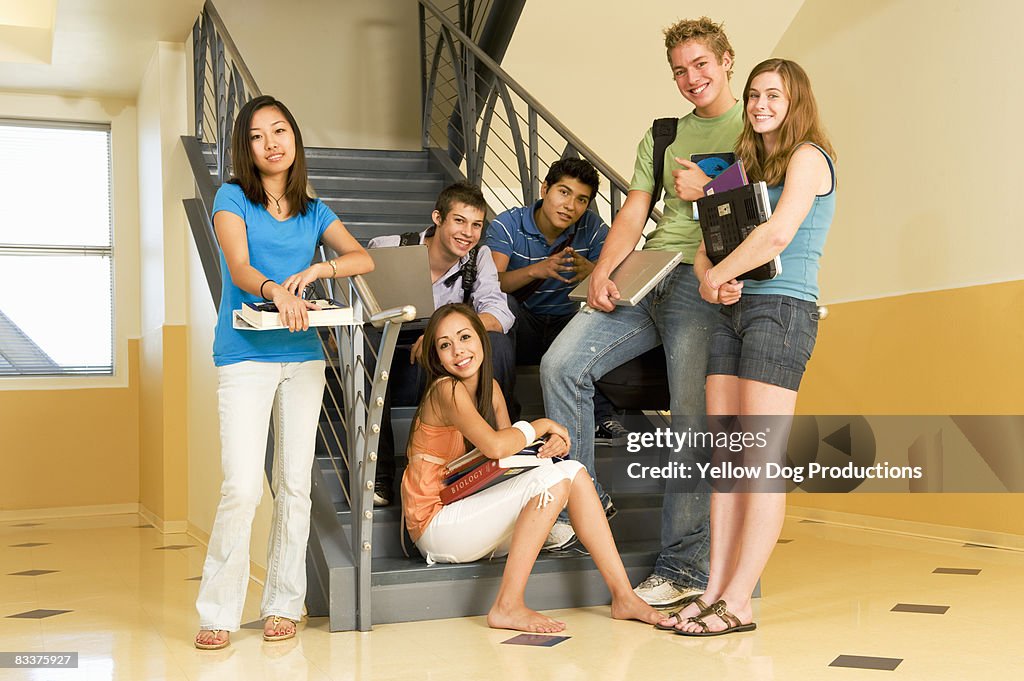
212 639
632 607
523 619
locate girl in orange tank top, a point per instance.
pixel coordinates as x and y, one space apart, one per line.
462 408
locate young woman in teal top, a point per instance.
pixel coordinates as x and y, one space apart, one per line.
765 336
268 229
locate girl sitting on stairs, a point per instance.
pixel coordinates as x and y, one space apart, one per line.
461 408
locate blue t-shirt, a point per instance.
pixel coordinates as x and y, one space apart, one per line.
800 259
278 249
515 234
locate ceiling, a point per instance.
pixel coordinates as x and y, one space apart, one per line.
97 48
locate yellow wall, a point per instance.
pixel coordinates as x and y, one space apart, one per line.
944 352
74 442
68 448
958 351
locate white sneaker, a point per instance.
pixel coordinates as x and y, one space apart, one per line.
561 536
659 592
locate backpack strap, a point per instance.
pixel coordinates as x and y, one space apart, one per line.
409 239
664 132
469 275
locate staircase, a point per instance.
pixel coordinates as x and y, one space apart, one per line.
376 192
391 192
407 589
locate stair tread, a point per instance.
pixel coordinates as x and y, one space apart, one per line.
400 571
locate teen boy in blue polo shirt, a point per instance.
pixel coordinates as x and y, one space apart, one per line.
541 252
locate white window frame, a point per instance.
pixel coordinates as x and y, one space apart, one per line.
71 377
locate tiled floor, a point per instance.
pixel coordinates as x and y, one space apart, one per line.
121 595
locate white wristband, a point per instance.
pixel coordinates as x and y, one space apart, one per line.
527 430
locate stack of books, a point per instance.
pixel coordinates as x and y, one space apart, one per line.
473 472
731 209
264 316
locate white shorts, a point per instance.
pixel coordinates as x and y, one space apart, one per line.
481 525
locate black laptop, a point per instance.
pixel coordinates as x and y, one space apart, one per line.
726 218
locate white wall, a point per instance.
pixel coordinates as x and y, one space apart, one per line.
349 70
606 76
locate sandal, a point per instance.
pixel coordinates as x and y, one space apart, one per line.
277 635
675 615
733 624
216 645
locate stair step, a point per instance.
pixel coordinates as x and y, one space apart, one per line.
318 158
381 204
638 518
366 227
420 184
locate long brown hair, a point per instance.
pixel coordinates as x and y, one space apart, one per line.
800 125
243 167
431 362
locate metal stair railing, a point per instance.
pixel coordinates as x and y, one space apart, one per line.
222 84
483 126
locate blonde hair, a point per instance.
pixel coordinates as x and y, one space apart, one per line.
800 125
705 30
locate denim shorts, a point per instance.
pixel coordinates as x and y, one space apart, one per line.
764 338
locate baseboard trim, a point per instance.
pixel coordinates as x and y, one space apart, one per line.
913 528
257 572
69 512
165 526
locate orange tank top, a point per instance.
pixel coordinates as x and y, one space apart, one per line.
422 481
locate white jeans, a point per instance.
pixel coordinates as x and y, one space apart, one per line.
481 524
248 392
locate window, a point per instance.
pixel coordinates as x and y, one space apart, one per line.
56 255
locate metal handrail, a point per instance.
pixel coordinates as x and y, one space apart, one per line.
232 85
211 12
535 105
480 124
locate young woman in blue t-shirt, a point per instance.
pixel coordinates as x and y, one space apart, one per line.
268 229
760 347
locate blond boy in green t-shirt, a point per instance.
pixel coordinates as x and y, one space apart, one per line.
672 314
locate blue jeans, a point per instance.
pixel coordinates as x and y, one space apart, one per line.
594 343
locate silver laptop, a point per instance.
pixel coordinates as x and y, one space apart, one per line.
635 276
401 276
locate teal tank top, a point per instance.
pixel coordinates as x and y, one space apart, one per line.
799 278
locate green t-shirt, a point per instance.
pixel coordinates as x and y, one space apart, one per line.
678 231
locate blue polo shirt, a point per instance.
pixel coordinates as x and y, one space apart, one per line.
515 234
